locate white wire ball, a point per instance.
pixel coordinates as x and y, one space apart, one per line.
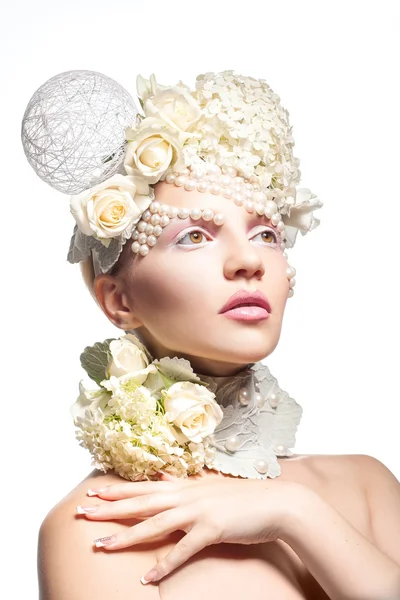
73 130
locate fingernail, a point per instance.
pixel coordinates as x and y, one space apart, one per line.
150 576
104 541
96 491
84 510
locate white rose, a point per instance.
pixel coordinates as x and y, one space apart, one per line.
148 87
175 106
152 149
301 216
128 357
111 208
192 408
89 400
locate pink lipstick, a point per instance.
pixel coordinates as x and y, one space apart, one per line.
247 306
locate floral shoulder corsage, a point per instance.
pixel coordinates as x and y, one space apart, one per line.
144 415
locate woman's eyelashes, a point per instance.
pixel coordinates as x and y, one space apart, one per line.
197 236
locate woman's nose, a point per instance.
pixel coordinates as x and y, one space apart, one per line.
243 261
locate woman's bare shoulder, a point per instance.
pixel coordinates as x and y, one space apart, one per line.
70 566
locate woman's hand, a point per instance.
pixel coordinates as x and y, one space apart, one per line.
210 509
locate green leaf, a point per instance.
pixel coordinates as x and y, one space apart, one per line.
94 359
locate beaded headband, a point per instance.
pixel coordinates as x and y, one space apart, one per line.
229 137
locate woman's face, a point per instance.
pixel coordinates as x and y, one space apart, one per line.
176 292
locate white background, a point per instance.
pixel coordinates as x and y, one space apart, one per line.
335 67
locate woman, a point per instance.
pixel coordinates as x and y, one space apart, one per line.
209 206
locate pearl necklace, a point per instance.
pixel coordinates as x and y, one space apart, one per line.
259 424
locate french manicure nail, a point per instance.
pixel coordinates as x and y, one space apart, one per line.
104 541
150 576
96 491
85 510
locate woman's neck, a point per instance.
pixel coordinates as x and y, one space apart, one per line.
201 365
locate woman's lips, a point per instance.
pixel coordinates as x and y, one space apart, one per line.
247 306
247 313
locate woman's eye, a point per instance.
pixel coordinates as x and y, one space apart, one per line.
269 236
195 237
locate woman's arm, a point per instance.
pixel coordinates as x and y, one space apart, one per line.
70 568
345 563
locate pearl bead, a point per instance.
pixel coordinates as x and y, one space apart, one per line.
173 212
146 216
157 231
164 220
170 178
280 226
259 209
273 400
244 397
292 282
232 443
225 180
261 466
141 226
238 199
180 180
190 185
195 214
142 239
291 293
183 213
268 213
135 247
270 204
202 186
208 214
164 208
135 235
215 189
259 197
231 171
219 219
290 272
260 400
185 172
280 449
144 250
155 219
249 205
227 193
211 178
154 207
275 218
151 240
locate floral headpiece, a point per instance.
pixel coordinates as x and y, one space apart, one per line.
230 136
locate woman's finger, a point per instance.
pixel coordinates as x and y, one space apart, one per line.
142 506
118 491
160 524
188 546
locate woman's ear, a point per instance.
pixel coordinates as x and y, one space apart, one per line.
115 302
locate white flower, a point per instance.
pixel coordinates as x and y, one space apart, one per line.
153 147
111 208
193 409
148 87
128 356
175 106
88 401
300 215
